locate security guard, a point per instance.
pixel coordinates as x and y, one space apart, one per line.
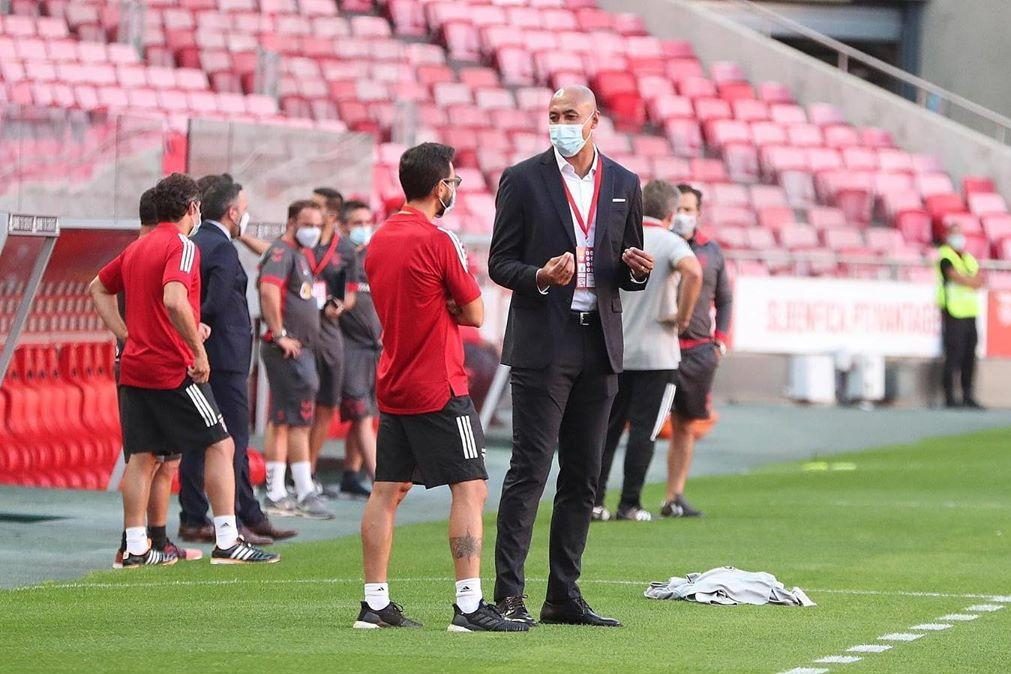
958 280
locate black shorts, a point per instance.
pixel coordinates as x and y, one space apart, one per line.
166 422
161 456
695 382
358 392
435 449
331 375
293 385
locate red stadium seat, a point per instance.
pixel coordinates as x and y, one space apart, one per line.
982 203
775 217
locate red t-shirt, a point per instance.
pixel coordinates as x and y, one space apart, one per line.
413 267
155 355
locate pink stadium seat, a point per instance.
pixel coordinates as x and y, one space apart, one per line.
672 169
709 170
680 69
997 227
721 132
707 109
893 182
883 240
742 162
895 161
775 217
982 203
969 223
750 110
843 240
798 237
939 205
697 87
768 133
666 107
759 238
765 196
731 236
859 158
874 137
824 159
915 226
804 135
824 114
727 71
729 194
685 137
775 92
977 184
930 184
721 216
840 136
787 113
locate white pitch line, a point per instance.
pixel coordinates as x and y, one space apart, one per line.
985 608
838 660
869 648
959 617
900 593
900 636
806 670
932 627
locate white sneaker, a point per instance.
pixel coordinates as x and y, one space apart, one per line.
600 514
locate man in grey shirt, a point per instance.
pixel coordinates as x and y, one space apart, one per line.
650 326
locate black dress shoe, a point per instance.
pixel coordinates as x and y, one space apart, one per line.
574 612
513 608
267 528
254 538
197 534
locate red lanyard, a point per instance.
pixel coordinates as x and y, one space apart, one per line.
591 216
327 256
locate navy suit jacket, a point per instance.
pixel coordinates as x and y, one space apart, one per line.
223 304
533 224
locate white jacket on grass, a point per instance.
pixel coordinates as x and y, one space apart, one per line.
728 586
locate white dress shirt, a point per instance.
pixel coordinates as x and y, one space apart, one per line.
581 189
221 227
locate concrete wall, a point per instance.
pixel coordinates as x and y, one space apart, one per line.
962 150
965 49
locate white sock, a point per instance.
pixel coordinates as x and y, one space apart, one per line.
225 531
468 594
275 480
377 595
301 472
136 540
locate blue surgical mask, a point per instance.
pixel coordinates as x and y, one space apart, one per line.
567 138
957 241
360 235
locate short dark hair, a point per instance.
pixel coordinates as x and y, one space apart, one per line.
297 207
685 188
148 210
173 196
658 199
334 200
350 207
422 167
218 195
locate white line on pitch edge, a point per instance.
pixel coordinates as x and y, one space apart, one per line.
985 608
931 627
806 670
869 648
959 617
900 636
838 660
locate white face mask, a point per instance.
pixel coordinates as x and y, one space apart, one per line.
308 237
568 138
684 225
360 235
957 241
446 208
243 223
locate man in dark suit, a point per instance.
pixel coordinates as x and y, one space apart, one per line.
567 237
224 308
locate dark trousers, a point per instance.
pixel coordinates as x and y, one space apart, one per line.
643 404
959 338
231 393
565 404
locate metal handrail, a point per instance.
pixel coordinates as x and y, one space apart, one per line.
846 53
792 257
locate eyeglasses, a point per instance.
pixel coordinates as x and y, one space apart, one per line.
454 181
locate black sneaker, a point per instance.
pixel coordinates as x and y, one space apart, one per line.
485 619
972 404
679 508
150 558
354 487
243 553
513 608
391 616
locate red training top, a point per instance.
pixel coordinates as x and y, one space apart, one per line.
155 355
414 267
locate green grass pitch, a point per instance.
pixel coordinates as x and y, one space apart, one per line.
866 543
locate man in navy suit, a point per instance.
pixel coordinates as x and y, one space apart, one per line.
223 306
567 237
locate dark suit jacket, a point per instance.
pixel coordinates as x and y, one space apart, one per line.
533 224
223 304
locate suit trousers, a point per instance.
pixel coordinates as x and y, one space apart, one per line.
231 393
959 338
565 404
643 404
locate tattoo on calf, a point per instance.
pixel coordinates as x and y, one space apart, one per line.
465 546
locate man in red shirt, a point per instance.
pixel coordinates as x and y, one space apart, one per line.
429 431
165 401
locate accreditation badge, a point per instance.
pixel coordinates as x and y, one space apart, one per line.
584 268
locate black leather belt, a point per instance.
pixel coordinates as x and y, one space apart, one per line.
585 317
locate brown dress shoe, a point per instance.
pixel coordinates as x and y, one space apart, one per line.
254 538
267 528
197 534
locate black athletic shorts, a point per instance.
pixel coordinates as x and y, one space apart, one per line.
293 384
434 449
331 376
695 381
358 394
166 422
162 456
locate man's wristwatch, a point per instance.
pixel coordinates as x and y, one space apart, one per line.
282 334
722 347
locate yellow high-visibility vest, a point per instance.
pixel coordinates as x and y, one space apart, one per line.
958 300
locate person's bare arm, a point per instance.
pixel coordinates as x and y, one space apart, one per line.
976 282
257 246
177 305
688 291
107 308
270 310
350 297
470 314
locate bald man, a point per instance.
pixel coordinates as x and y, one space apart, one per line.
567 237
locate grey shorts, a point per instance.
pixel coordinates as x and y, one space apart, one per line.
693 397
358 395
330 367
293 385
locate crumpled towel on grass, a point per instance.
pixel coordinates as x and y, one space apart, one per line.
727 586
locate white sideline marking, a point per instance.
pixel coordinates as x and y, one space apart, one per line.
931 627
959 617
838 660
899 593
984 608
806 670
900 636
869 648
